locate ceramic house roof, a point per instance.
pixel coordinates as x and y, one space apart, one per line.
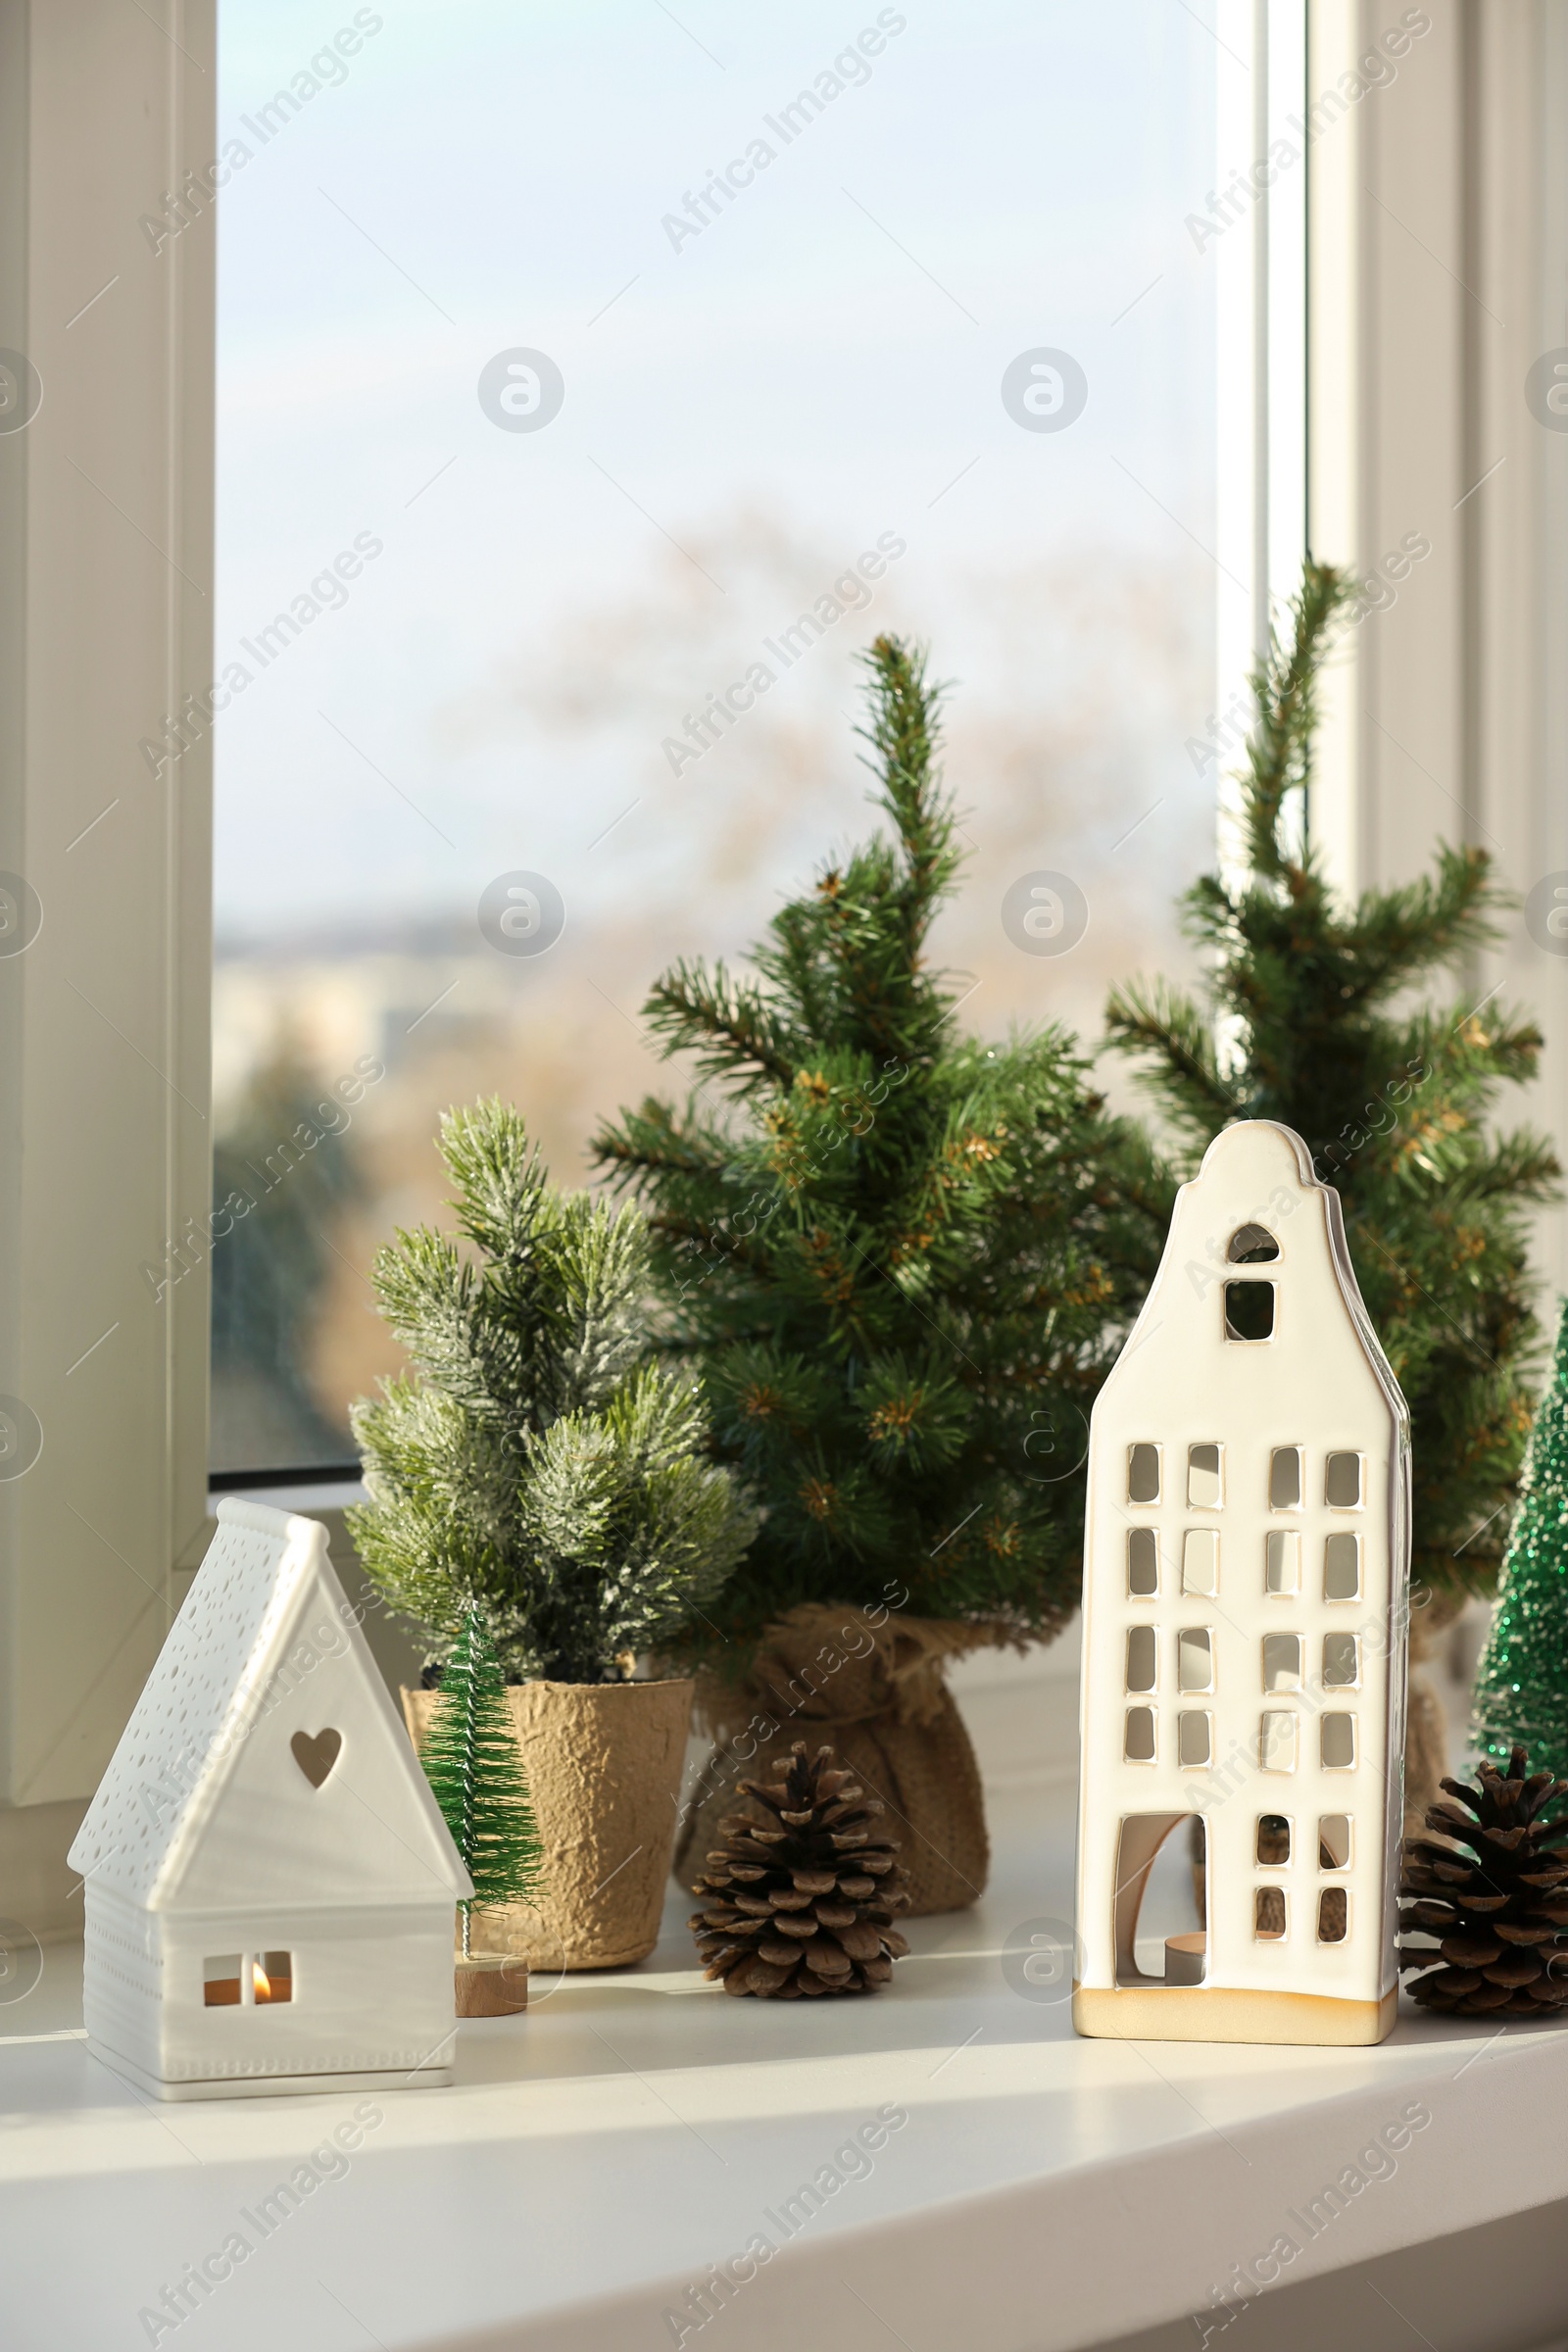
206 1801
1253 1171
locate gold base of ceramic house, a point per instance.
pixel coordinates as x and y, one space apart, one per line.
1217 2013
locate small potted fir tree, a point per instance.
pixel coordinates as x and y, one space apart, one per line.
534 1466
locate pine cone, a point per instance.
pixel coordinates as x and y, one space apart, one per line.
1490 1901
804 1907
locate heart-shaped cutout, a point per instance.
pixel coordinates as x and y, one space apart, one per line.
317 1757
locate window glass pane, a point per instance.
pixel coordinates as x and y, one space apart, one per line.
574 369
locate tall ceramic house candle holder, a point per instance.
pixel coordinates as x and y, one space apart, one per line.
1246 1613
268 1879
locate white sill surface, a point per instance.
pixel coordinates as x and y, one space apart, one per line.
595 2157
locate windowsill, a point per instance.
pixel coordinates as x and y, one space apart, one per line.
596 2156
306 1494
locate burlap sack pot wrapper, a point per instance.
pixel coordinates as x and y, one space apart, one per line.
878 1694
604 1767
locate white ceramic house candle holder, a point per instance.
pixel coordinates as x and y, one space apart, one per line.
1245 1619
268 1879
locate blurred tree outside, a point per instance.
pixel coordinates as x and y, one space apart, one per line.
286 1150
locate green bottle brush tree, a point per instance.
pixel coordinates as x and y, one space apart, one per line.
474 1765
1521 1691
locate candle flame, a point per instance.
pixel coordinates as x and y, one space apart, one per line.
261 1982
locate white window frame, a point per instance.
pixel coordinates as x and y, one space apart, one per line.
1360 395
106 539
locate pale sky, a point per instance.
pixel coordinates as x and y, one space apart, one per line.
743 417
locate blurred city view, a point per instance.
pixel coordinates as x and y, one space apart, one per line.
747 411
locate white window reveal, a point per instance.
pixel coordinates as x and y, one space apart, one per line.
1341 1567
1205 1490
1342 1667
1142 1474
1277 1741
1339 1743
1334 1841
1281 1559
1138 1744
247 1979
220 1977
1273 1848
1285 1479
1343 1482
1282 1661
1195 1658
1249 1311
1143 1563
1201 1561
1195 1741
1333 1915
1140 1658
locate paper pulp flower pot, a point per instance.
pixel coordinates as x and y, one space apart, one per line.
603 1766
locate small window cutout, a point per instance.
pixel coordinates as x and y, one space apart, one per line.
1143 1473
1339 1743
272 1979
1139 1746
1140 1658
1285 1479
1282 1661
1341 1567
1253 1245
1273 1840
1201 1561
1334 1841
221 1988
1195 1659
1268 1914
1250 1310
1282 1560
1341 1482
1195 1738
1143 1563
1333 1915
1277 1742
1341 1665
1205 1492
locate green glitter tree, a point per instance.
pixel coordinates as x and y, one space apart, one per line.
473 1764
1522 1684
